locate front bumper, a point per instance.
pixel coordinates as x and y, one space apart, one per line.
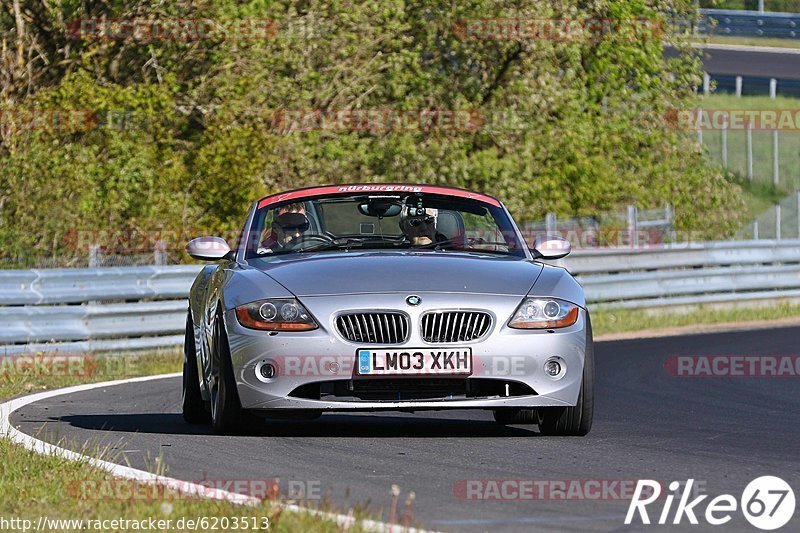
508 363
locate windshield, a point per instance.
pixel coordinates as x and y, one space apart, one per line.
382 222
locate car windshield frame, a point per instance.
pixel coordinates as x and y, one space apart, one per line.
487 207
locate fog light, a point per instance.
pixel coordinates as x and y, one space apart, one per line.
555 367
264 371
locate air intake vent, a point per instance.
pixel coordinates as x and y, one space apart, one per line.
373 328
455 326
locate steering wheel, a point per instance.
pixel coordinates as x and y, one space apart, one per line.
320 238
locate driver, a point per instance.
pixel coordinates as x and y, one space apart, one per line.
290 223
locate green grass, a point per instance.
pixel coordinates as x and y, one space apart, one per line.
759 194
748 41
32 485
763 144
759 197
731 101
612 321
19 379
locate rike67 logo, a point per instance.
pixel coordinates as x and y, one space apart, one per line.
767 502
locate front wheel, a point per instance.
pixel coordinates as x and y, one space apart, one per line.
193 407
227 415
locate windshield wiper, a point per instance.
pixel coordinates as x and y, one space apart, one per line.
349 243
333 245
469 246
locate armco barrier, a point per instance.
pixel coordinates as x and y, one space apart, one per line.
79 285
93 309
145 307
750 23
689 273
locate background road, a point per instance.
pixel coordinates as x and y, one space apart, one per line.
747 61
723 432
743 62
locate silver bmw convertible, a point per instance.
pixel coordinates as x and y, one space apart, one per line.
379 297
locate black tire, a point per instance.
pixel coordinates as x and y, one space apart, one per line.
227 415
193 406
577 420
513 416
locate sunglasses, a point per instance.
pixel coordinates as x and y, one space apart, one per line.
294 229
292 222
414 222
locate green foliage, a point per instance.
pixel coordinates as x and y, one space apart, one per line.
575 127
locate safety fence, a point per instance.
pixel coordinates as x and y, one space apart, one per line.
741 23
127 308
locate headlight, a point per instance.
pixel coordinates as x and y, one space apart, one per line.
284 314
544 313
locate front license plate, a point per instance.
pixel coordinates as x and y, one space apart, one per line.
414 361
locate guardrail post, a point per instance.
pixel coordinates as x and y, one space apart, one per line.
724 142
755 230
706 83
773 88
738 86
160 253
669 217
760 6
632 222
750 151
699 126
778 221
550 223
776 173
94 256
798 213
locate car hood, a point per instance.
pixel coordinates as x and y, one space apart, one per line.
382 272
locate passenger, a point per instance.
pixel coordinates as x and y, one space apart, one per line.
420 230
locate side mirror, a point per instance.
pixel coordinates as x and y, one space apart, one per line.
550 247
209 248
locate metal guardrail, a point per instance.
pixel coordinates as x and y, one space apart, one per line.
93 309
109 309
691 255
750 23
78 285
689 274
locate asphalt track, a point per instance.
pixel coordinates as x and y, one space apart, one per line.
722 432
749 62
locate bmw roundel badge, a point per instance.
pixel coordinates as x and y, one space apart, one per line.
413 300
